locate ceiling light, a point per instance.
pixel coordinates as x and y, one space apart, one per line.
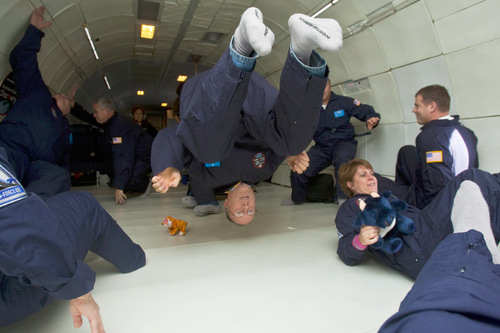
182 78
164 105
106 81
147 31
140 92
328 5
90 41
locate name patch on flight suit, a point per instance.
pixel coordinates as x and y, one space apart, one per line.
117 140
434 157
211 165
259 160
339 113
10 189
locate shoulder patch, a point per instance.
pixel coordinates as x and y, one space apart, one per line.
259 160
358 103
434 157
10 188
117 140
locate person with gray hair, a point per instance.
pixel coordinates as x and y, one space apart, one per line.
131 147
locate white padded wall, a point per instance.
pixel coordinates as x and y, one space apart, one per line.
363 55
383 146
474 26
385 98
486 130
475 77
442 8
409 79
408 36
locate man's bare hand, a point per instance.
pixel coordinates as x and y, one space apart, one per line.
86 306
170 177
37 19
298 163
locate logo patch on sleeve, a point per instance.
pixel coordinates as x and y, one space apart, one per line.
358 103
434 157
259 160
117 140
10 188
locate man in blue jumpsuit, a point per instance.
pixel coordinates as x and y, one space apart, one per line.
35 132
458 290
334 141
444 148
43 245
235 128
131 148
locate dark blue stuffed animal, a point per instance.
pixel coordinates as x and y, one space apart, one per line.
379 212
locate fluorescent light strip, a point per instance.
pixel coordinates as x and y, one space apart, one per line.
107 82
331 3
91 43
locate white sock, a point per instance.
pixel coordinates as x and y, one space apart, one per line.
309 33
252 35
470 211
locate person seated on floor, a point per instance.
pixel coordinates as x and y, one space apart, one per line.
458 289
432 224
334 142
443 148
44 244
131 147
235 127
35 132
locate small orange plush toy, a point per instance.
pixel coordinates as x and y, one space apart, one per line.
175 225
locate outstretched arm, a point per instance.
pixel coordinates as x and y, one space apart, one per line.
37 19
85 305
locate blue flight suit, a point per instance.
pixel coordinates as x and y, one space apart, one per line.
236 126
131 148
35 133
44 243
458 290
444 148
334 142
433 224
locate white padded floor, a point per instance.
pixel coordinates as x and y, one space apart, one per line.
281 273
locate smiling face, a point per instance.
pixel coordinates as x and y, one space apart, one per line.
424 112
240 204
364 181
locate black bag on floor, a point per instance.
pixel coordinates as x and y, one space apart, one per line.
320 188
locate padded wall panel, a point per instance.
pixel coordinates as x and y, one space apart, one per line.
382 147
337 66
442 8
368 6
363 55
411 78
345 12
486 130
386 99
475 76
11 26
472 26
408 36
